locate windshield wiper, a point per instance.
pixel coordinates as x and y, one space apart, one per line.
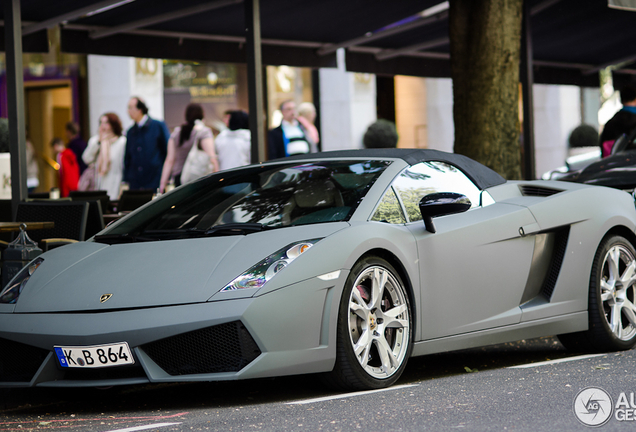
111 239
175 234
236 228
222 229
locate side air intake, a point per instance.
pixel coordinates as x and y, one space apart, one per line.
538 191
560 248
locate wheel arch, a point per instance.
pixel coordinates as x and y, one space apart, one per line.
623 231
392 259
600 337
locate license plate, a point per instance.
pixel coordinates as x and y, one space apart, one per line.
96 356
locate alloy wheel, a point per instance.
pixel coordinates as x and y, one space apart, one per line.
617 291
379 322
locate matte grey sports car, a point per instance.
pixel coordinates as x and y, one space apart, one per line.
344 263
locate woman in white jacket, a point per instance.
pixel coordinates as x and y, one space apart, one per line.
233 145
106 152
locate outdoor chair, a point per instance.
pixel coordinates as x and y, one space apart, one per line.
5 211
69 217
95 219
6 215
133 199
100 195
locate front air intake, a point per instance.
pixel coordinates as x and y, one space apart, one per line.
222 348
19 362
538 191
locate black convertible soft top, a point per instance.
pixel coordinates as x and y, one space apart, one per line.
481 175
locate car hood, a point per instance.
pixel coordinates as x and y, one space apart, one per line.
617 171
151 274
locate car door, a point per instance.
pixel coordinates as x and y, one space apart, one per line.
474 268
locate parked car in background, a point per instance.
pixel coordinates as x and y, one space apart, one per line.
573 164
617 170
583 149
342 263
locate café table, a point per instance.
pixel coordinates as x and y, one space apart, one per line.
15 226
111 217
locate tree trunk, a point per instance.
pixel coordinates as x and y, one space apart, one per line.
485 41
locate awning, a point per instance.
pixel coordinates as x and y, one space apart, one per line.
572 39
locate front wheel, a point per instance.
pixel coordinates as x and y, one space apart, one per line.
612 300
374 328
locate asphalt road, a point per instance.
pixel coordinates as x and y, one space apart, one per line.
475 390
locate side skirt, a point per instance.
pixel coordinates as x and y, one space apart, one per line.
543 327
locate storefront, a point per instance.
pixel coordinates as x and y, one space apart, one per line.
54 87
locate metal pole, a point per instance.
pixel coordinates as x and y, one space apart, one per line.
315 90
15 101
527 82
255 78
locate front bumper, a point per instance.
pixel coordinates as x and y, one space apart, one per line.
285 332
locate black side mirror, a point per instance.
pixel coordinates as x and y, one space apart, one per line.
440 204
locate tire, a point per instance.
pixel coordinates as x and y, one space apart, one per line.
612 300
374 337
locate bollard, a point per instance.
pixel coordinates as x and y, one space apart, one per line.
18 253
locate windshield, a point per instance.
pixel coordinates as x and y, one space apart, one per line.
253 199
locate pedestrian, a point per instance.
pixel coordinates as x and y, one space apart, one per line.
76 143
290 137
180 144
307 118
226 117
380 134
623 122
233 146
146 148
583 135
32 168
105 151
69 168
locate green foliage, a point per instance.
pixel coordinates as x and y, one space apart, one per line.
411 200
389 210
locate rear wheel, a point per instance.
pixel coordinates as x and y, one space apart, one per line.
612 300
374 328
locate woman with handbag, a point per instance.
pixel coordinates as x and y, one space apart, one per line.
190 150
104 156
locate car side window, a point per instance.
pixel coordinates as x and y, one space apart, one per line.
426 178
389 209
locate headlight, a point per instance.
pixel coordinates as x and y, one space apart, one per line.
261 273
12 291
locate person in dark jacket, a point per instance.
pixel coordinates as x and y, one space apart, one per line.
290 137
146 148
623 121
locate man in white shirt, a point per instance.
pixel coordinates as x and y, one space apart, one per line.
290 137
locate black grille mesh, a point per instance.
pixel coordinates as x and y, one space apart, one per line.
538 191
19 362
223 348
